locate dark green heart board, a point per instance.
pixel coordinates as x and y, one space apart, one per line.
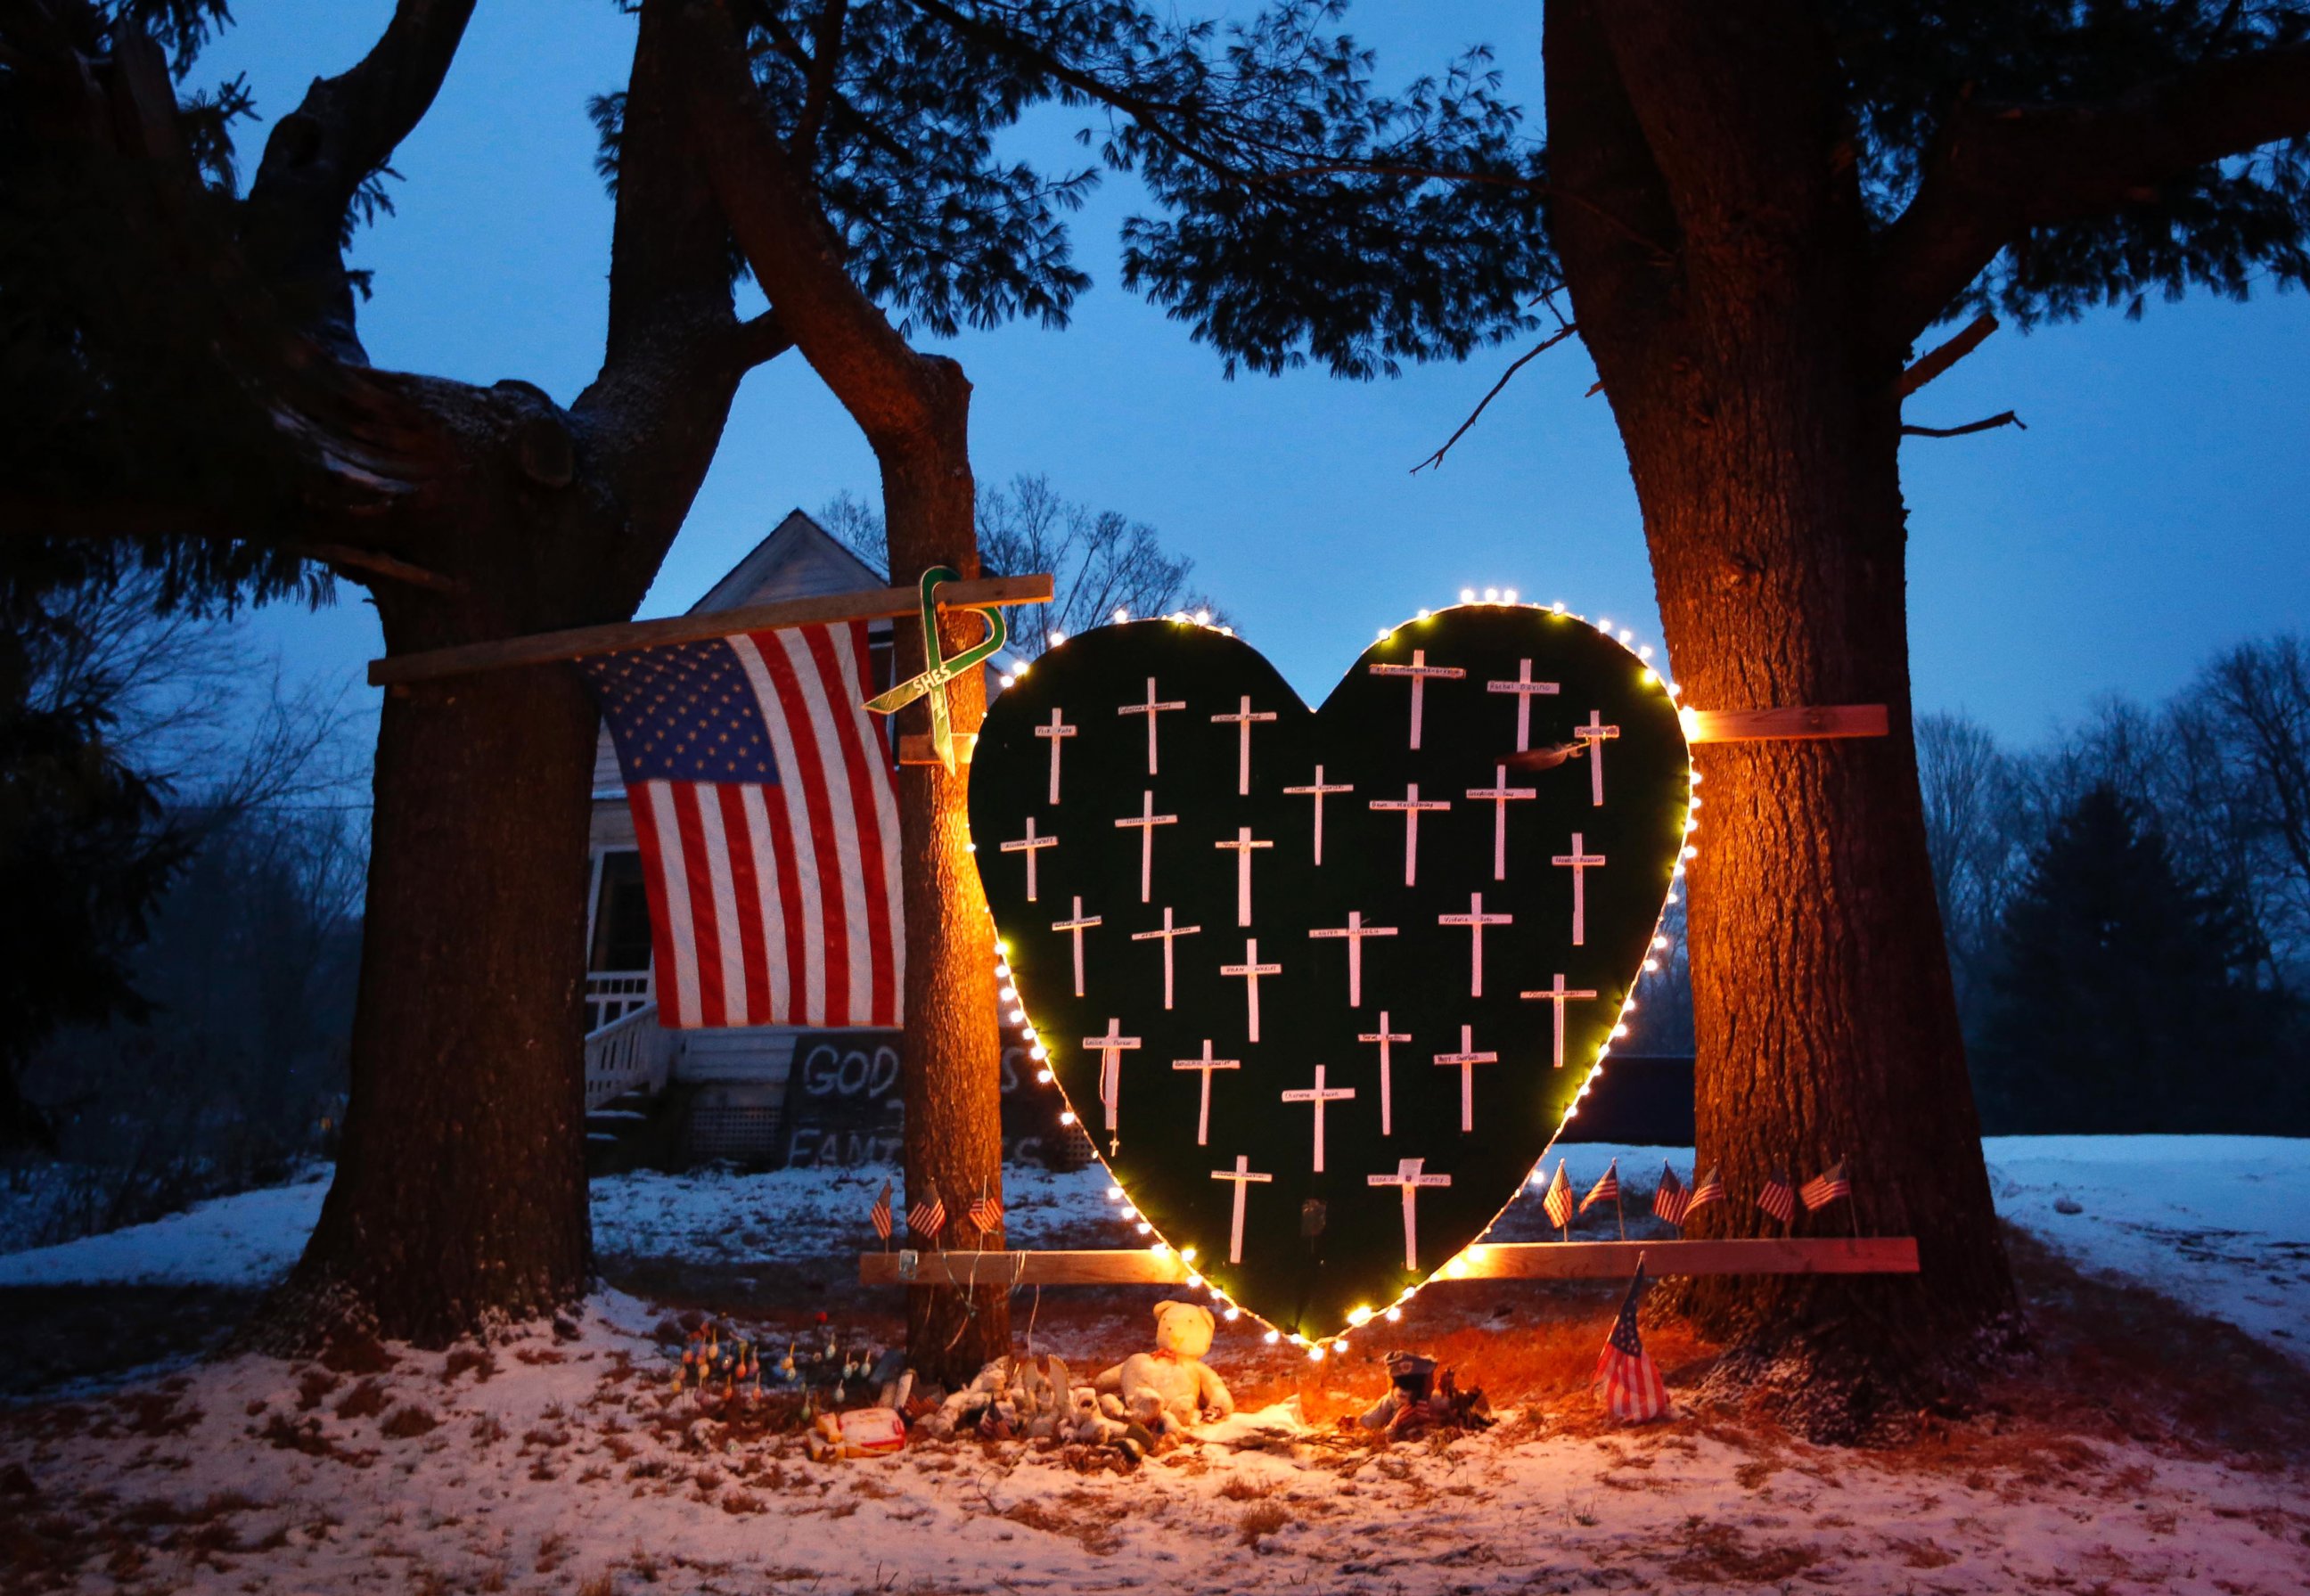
1499 863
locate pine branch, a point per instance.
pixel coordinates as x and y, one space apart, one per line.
1541 348
1997 171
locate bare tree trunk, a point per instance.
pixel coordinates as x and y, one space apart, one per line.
953 1081
1716 263
460 1193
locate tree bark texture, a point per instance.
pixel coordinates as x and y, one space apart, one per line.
1717 258
914 409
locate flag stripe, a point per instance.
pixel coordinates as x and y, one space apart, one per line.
728 944
813 829
698 871
806 919
663 865
768 864
837 664
745 901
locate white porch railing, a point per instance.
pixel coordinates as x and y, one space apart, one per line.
632 1053
613 994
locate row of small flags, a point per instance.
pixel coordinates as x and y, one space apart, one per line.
927 1216
1674 1201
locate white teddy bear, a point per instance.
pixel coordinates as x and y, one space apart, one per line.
1171 1387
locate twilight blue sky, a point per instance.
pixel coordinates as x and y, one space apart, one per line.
2153 512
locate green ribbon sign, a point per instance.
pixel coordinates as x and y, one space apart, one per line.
932 683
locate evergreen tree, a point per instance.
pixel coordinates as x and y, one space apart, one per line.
2125 996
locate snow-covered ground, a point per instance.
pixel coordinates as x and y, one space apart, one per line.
2221 1223
567 1465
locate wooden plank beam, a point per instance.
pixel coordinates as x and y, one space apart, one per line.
1777 725
1486 1261
915 748
544 649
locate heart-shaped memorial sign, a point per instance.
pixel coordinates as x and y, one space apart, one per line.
1323 985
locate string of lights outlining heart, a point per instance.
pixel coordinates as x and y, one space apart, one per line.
1400 930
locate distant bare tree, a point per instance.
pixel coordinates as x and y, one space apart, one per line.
2253 704
1974 833
1100 560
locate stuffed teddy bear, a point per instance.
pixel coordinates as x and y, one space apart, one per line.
1171 1387
1011 1397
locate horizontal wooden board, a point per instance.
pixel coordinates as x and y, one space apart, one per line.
1777 726
915 748
548 647
1503 1261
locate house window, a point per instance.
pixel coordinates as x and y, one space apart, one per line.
621 927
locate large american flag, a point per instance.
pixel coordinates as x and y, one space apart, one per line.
769 824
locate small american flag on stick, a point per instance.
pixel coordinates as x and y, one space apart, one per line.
1776 1199
1606 1190
1557 1203
1710 1188
1826 1187
1670 1198
1633 1389
881 1213
927 1217
986 1214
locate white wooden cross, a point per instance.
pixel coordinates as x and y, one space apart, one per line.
1150 709
1596 735
1475 920
1316 789
1386 1097
1251 970
1244 844
1319 1097
1057 729
1580 864
1420 672
1465 1060
1078 925
1167 933
1029 845
1240 1173
1501 795
1146 820
1560 994
1411 807
1408 1176
1206 1064
1523 686
1242 720
1111 1048
1355 930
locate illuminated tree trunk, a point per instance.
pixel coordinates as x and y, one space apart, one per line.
1717 263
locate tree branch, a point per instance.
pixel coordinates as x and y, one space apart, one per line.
1541 348
1996 172
1932 364
318 156
825 56
2003 418
797 257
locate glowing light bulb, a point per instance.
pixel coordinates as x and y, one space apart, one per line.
1066 1116
1491 596
1626 636
1341 1345
1619 1032
1022 671
1272 1337
1144 1229
1005 680
1557 608
1646 652
1360 1315
1232 1314
1692 853
1202 617
1395 1316
1652 964
1315 1355
1188 1254
1468 594
1649 677
1057 637
1195 1279
1603 626
1114 1194
1507 595
1423 615
1383 634
1121 615
1042 1077
1660 941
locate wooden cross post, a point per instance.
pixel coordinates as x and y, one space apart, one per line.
1465 1060
1245 845
1501 795
1595 735
1150 709
1146 820
1029 845
1251 970
1384 1036
1317 1096
1058 731
1206 1064
1580 864
1316 789
1475 920
1524 687
1354 931
1421 672
1111 1048
1169 932
1411 808
1243 720
1560 994
1240 1174
1407 1176
1078 924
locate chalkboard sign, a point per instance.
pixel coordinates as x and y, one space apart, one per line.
845 1103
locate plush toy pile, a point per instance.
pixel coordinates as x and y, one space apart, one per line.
1419 1401
1132 1407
